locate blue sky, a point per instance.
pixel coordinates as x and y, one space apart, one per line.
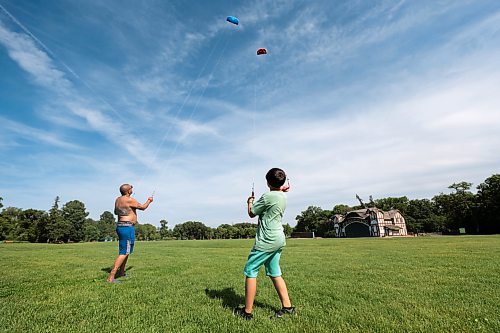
381 98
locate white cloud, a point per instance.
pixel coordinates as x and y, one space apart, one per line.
115 132
34 61
37 63
23 132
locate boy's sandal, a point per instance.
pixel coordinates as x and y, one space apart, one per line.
284 311
240 312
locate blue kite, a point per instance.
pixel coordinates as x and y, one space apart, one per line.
233 20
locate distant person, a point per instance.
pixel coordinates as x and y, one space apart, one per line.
269 242
125 208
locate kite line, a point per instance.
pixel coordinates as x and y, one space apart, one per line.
167 133
55 57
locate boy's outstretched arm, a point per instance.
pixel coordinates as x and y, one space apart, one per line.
250 205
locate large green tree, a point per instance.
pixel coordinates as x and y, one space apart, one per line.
399 203
192 230
59 229
74 212
147 232
314 219
245 230
9 221
341 209
421 216
3 223
165 233
487 217
32 226
226 231
107 226
23 225
90 231
457 207
287 229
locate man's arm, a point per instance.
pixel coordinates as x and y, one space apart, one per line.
145 205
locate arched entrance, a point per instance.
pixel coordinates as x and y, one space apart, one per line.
357 229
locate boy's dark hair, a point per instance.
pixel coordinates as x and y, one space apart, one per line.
276 177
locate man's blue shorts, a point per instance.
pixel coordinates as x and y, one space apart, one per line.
126 237
270 260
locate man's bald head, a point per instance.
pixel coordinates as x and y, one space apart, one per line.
125 188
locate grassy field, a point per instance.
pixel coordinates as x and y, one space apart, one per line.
425 284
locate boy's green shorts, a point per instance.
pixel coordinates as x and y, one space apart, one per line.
270 260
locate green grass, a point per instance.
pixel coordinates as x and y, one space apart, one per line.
440 284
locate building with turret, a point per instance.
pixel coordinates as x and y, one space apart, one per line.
369 222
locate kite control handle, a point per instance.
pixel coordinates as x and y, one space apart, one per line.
252 197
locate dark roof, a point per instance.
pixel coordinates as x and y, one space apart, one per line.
364 213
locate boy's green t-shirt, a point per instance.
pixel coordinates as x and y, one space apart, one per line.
270 208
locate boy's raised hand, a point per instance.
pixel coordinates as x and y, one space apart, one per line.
250 199
285 188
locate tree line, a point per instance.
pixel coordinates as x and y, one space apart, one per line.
70 223
477 213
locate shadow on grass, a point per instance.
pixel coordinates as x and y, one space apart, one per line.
108 269
230 299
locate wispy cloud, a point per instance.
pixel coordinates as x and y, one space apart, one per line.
24 132
33 60
40 66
